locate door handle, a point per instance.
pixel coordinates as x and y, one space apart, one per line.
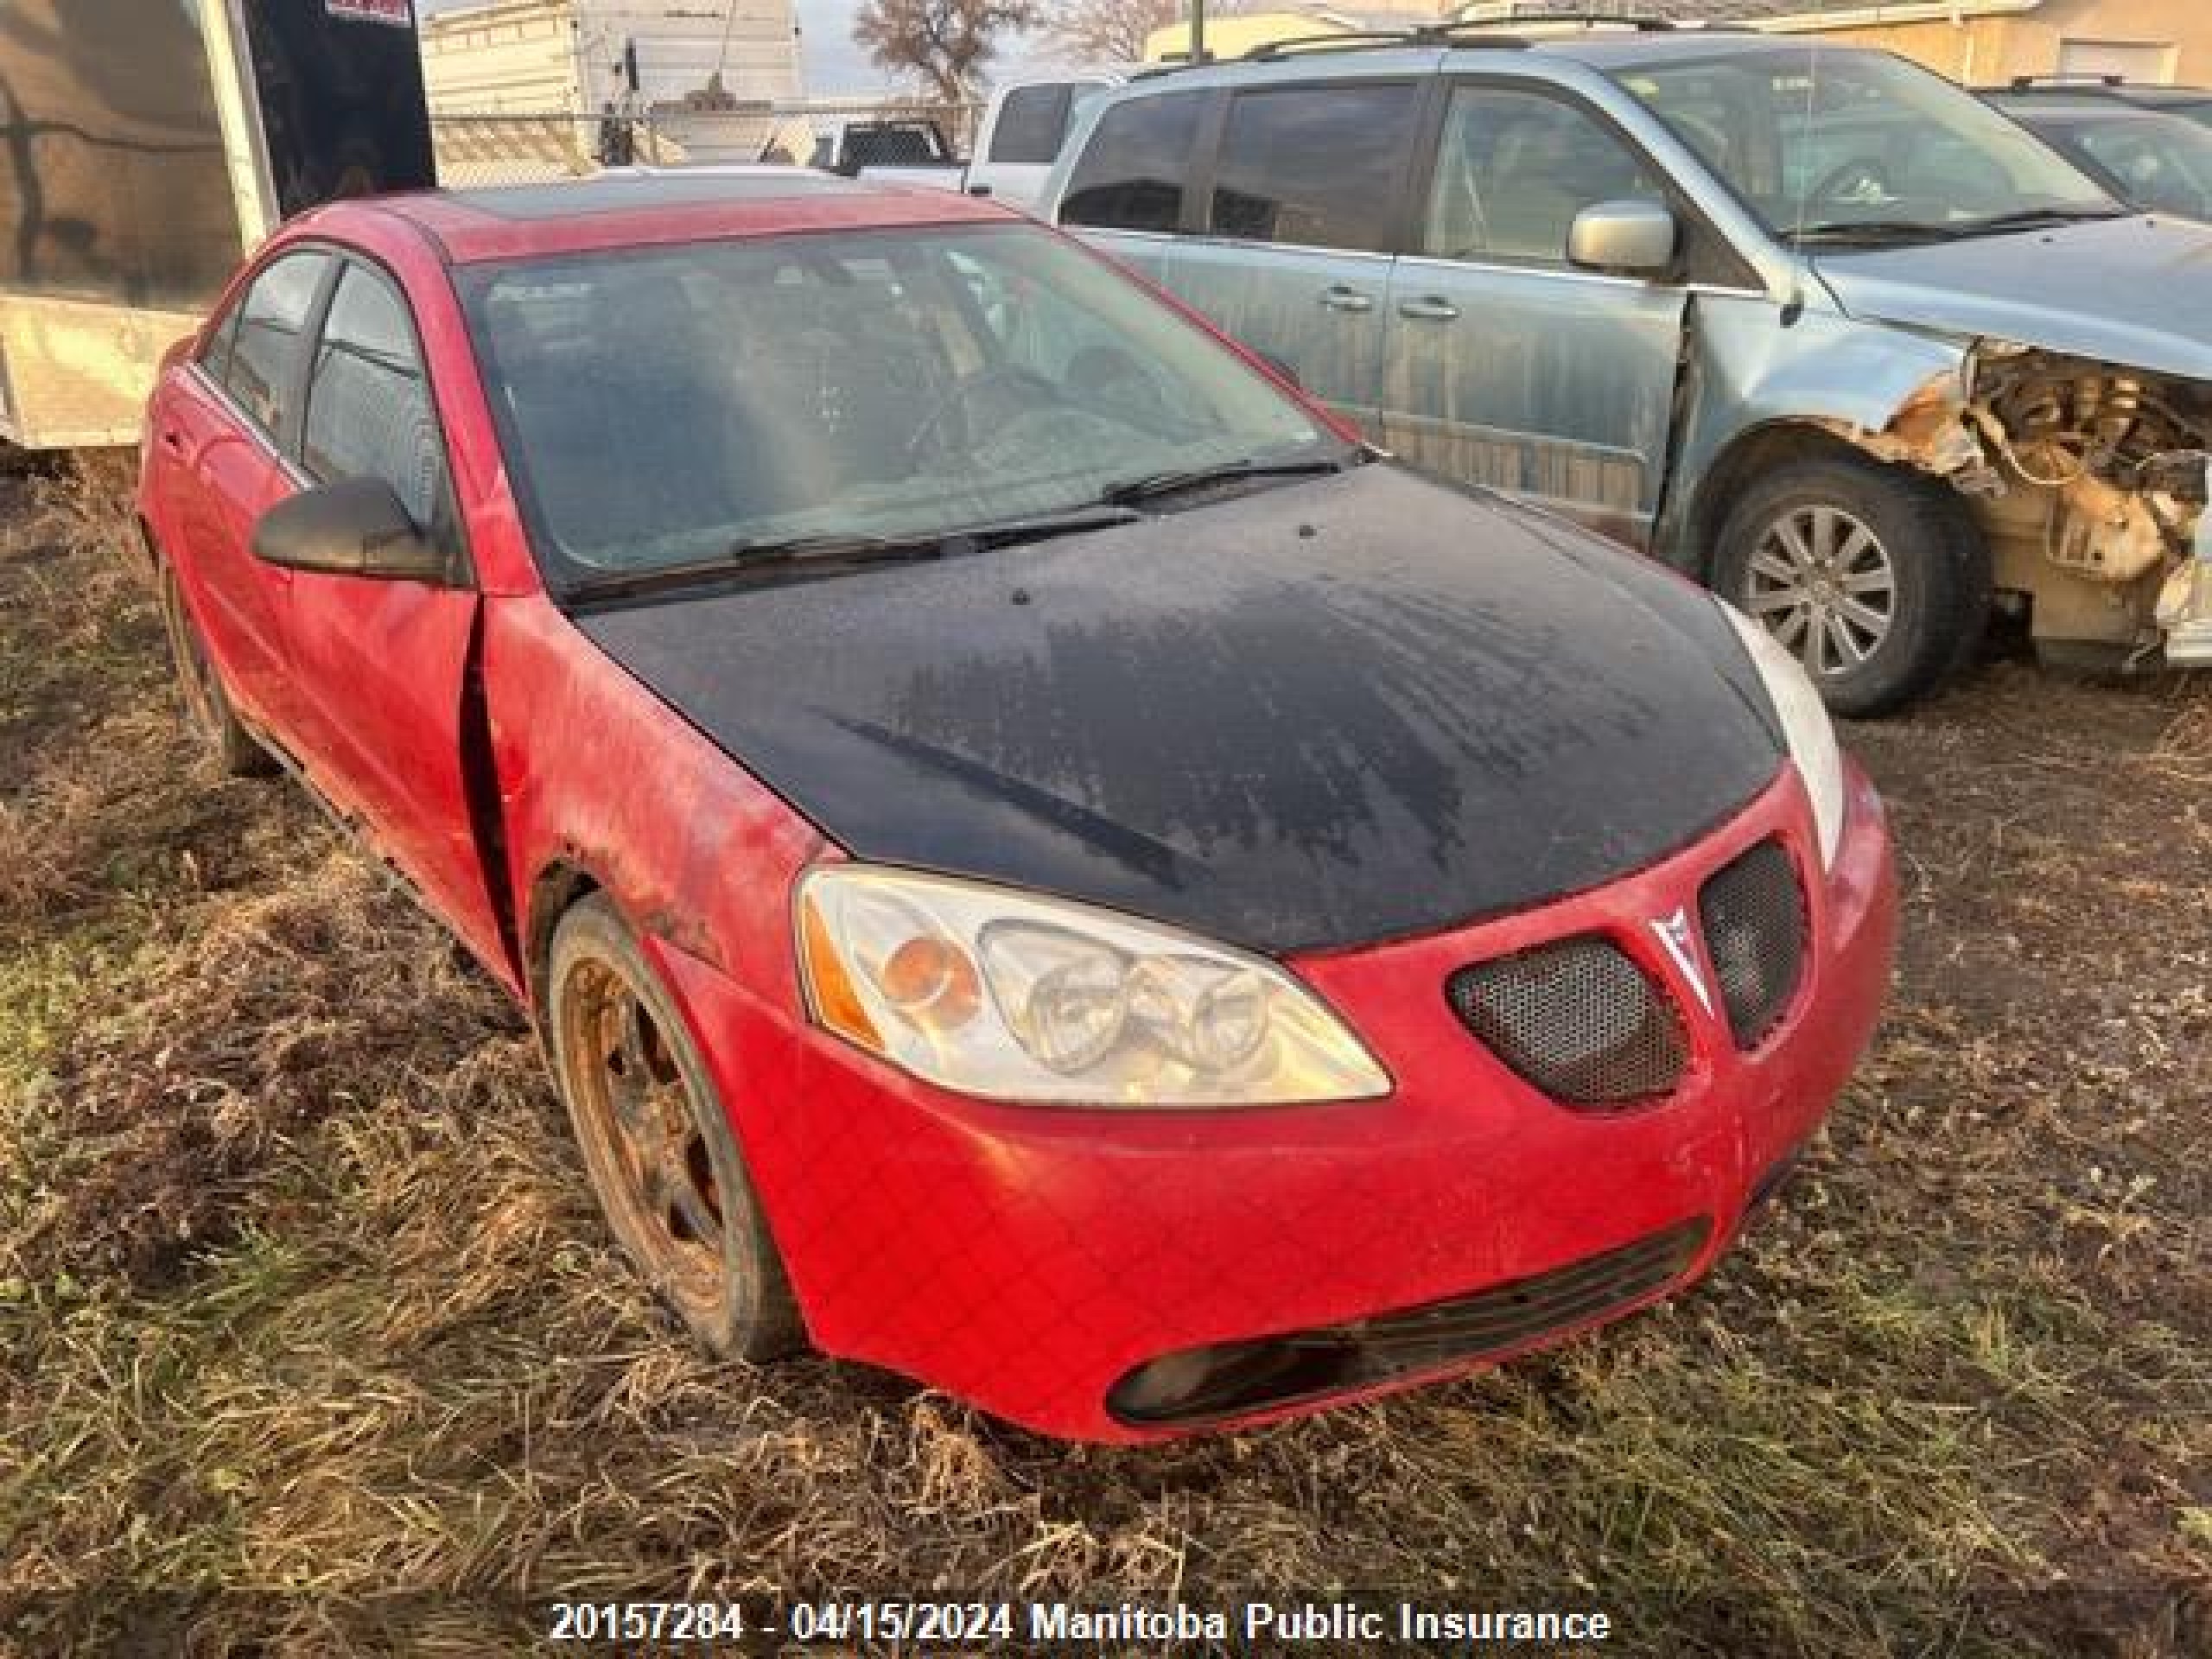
1341 298
1431 309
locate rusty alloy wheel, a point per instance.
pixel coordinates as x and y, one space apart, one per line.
195 680
206 705
656 1144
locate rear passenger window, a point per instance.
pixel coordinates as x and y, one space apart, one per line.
1031 122
1131 172
1513 170
1317 166
369 411
265 345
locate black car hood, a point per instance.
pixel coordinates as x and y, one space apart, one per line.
1315 714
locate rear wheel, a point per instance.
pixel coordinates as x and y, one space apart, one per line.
206 706
656 1143
1875 579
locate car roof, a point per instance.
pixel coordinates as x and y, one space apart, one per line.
2106 93
2042 106
646 207
2043 111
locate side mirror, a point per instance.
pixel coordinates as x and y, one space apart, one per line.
1633 239
355 527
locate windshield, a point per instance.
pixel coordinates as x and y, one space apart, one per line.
1825 143
663 407
2160 162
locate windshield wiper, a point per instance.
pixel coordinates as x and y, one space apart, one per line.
1884 232
2031 219
747 555
1872 233
1153 485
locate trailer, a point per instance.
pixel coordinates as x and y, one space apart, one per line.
145 146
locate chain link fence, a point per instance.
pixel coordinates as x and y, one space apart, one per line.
477 148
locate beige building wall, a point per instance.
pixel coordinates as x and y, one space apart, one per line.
1992 50
513 55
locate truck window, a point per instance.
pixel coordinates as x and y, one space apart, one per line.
1315 165
369 410
1131 174
1513 169
1031 122
266 345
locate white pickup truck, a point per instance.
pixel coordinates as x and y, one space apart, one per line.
904 150
1023 127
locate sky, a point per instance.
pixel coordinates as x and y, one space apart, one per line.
833 65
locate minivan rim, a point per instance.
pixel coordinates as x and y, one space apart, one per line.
1822 582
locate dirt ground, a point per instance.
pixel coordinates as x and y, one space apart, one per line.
311 1341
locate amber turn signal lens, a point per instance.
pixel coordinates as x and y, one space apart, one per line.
834 1000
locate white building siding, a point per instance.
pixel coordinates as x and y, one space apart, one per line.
519 56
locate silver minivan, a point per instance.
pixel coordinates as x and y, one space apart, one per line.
1808 323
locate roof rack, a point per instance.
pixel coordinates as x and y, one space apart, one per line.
1641 22
1350 40
2055 83
1460 32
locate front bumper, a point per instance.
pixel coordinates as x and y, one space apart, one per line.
1030 1259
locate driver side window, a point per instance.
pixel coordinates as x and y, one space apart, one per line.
1513 168
369 412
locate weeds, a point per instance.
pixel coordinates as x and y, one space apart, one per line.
311 1342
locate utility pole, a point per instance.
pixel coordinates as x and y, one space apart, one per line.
1197 31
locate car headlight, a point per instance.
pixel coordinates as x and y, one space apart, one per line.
1805 727
998 994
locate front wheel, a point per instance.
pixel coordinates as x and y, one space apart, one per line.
1875 579
656 1143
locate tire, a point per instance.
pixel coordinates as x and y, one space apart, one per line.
656 1143
207 707
1874 577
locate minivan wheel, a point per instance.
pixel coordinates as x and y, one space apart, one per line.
1874 578
656 1143
206 706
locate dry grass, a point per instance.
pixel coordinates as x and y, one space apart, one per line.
310 1342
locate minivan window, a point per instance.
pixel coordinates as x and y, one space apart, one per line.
1031 122
1314 166
1512 171
265 347
1132 170
369 410
1841 146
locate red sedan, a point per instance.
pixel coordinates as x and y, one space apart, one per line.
1039 861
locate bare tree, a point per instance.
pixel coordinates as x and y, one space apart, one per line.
945 43
1114 31
1109 31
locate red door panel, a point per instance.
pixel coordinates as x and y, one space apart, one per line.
223 477
380 668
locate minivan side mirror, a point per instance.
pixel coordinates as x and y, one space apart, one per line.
354 527
1631 238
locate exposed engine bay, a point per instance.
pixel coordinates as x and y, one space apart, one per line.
2091 483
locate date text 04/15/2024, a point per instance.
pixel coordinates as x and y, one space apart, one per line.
1041 1623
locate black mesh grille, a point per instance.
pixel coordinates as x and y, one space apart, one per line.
1211 1382
1754 916
1578 1019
